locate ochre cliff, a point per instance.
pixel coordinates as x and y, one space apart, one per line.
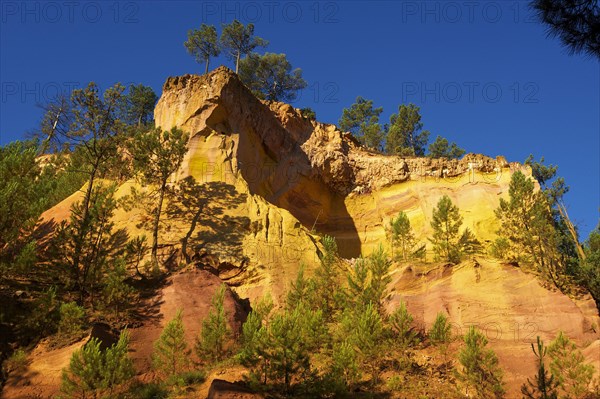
281 181
320 175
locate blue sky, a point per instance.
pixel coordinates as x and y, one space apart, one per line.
483 72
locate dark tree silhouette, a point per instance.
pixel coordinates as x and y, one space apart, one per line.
203 205
575 22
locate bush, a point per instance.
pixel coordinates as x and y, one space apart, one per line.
401 322
440 332
94 371
193 377
344 369
395 383
568 365
480 371
170 355
148 391
215 330
500 248
71 319
17 361
45 314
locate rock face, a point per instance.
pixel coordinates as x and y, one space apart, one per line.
191 292
318 174
510 307
275 181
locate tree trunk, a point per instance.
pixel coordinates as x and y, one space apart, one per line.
563 212
206 69
155 225
237 61
188 235
82 231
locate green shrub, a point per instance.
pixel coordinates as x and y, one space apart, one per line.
171 356
395 383
210 345
568 365
500 248
479 371
193 377
440 332
94 372
401 322
71 319
151 390
17 361
44 314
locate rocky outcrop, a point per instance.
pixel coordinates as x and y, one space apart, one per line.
219 102
310 169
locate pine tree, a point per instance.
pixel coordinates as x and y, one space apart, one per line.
277 348
95 131
170 356
84 377
362 120
71 319
527 223
379 267
137 106
118 366
358 292
238 40
405 135
441 330
446 224
575 23
401 322
135 251
440 148
94 372
118 295
303 290
480 370
344 366
365 332
544 385
368 280
270 77
447 243
254 339
215 330
45 313
84 245
157 154
327 277
402 236
203 44
589 272
568 366
19 206
287 350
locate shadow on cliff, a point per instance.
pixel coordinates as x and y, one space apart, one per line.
271 160
202 208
